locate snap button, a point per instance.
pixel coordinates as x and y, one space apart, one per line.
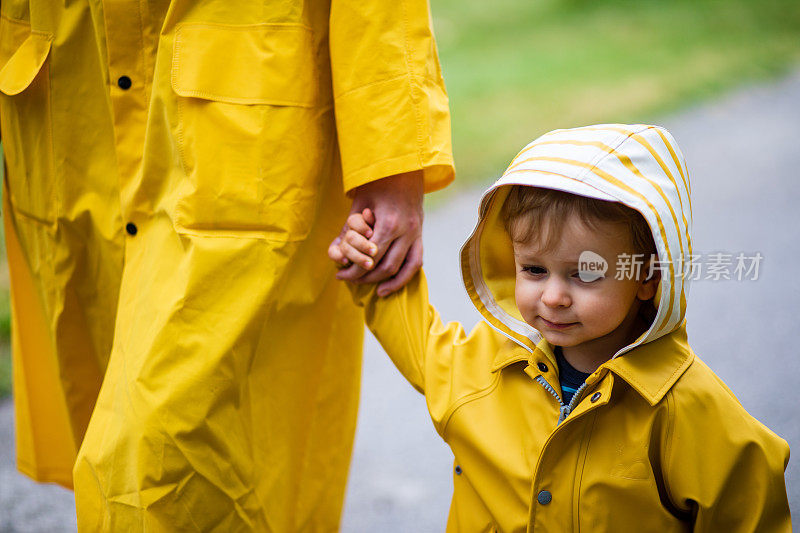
458 470
124 82
542 367
544 497
595 397
131 228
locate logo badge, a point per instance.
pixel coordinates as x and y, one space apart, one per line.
591 266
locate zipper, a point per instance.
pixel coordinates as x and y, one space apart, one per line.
564 409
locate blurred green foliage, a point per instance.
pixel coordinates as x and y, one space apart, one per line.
515 69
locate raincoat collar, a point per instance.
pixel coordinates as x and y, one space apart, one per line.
509 354
654 367
651 370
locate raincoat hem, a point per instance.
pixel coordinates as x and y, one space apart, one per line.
56 475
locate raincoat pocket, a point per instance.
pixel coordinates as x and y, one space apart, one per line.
25 117
250 129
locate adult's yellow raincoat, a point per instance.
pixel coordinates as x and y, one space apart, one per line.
175 171
655 441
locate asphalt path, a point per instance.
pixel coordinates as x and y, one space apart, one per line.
743 157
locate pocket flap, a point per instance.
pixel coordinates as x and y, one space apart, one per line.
253 64
21 63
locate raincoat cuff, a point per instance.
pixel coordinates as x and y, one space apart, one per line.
395 126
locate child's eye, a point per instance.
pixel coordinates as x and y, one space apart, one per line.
535 270
586 276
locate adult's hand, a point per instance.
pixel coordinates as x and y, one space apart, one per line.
396 202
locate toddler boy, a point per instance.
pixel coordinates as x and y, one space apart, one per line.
578 405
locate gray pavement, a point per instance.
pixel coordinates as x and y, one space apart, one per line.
743 157
25 506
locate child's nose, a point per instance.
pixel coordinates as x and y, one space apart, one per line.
555 293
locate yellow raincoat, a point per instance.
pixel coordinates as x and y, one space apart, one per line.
175 171
655 441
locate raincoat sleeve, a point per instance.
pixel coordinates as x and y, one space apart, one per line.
726 469
432 356
391 107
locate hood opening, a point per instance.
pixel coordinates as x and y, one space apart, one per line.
639 166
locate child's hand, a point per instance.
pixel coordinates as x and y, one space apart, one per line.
355 246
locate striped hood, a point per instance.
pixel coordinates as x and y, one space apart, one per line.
638 165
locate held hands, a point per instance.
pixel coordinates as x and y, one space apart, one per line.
387 216
355 247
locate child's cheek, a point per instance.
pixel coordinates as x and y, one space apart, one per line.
525 295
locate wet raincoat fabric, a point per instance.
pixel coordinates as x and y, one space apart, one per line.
175 172
655 441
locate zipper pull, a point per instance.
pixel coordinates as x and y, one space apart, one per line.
563 413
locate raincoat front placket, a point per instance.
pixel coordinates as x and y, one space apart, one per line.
131 41
572 417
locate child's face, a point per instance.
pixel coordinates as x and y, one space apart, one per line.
597 316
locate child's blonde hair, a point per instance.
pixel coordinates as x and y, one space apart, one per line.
530 211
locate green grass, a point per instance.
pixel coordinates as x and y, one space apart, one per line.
516 69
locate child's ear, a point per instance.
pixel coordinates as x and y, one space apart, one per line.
648 287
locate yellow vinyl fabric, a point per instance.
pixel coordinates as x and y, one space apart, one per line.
175 172
655 441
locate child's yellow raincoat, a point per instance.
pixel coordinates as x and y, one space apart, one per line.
655 441
175 172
